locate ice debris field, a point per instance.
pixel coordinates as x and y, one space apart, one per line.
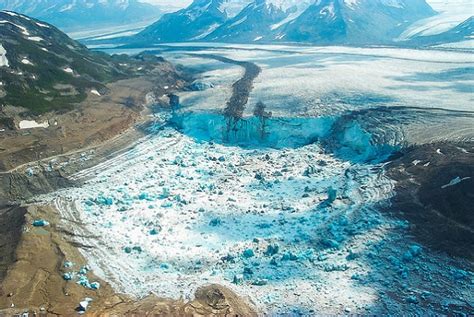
294 229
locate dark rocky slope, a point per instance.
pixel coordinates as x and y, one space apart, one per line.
434 192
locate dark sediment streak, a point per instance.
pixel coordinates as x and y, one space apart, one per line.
241 89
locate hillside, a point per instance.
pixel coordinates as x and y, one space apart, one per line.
56 95
42 69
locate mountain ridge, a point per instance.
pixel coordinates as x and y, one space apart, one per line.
268 21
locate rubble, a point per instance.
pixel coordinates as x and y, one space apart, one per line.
177 208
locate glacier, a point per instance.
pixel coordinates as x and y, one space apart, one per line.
289 228
286 210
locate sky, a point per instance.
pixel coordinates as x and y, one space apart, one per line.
174 3
171 3
439 5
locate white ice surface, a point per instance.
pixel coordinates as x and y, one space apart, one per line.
469 45
3 57
26 61
111 32
31 124
318 80
95 92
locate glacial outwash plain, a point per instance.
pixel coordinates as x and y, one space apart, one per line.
203 177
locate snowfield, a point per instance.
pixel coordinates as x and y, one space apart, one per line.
287 211
3 57
31 124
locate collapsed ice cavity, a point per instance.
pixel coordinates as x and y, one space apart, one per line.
288 227
177 211
338 134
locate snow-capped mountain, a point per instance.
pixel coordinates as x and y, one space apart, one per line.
353 21
252 23
258 20
193 23
233 7
224 19
82 14
312 21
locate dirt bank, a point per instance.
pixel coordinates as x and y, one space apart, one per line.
34 281
44 176
37 161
